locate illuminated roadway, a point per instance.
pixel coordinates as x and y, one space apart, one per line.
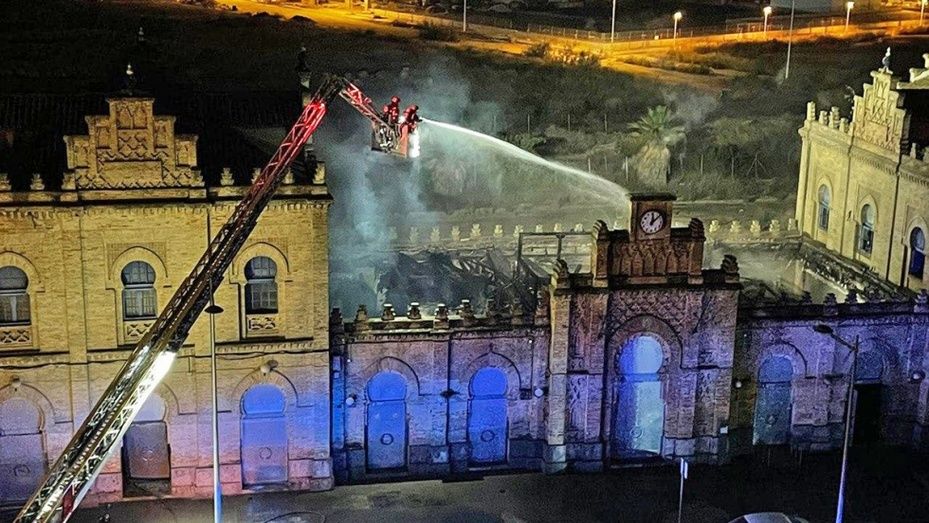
510 41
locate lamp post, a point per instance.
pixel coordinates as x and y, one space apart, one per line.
922 10
613 23
853 347
848 13
790 39
767 13
677 18
464 17
213 310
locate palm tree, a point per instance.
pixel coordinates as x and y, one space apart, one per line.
658 134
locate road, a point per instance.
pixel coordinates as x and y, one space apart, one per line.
885 486
491 39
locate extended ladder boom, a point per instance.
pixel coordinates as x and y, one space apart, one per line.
73 473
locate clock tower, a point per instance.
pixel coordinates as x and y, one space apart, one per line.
651 252
651 216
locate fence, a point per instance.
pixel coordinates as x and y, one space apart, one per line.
806 25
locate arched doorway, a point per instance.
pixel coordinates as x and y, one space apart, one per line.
638 406
772 406
264 436
868 374
22 450
146 453
487 417
386 427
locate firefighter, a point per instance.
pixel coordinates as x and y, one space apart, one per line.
392 111
410 118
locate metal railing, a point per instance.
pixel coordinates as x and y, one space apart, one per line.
804 25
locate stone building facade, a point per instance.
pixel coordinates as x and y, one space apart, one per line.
864 179
629 363
85 269
426 396
790 383
627 351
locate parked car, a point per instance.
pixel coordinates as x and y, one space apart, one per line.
768 517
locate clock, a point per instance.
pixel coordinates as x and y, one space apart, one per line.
651 222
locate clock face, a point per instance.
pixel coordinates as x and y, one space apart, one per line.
651 222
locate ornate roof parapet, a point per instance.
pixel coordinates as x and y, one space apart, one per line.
361 318
289 188
441 317
467 313
561 275
730 267
542 307
388 313
830 305
855 305
462 319
811 111
491 312
131 148
878 116
37 184
69 182
852 296
921 303
319 174
414 313
918 76
225 178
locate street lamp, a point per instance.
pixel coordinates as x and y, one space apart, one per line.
464 17
677 18
613 23
853 347
767 13
213 310
922 10
790 39
848 13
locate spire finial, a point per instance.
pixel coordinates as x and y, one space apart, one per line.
130 78
885 62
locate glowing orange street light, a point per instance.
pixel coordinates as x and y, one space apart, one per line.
767 12
848 13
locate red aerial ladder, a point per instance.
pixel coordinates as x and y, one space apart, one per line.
73 473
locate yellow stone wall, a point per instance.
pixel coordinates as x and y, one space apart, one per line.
73 245
865 160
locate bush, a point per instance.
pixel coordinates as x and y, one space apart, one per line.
437 33
539 50
668 65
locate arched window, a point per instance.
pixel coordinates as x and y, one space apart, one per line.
14 298
917 252
638 408
866 230
869 368
772 402
260 287
139 299
824 198
22 450
264 436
